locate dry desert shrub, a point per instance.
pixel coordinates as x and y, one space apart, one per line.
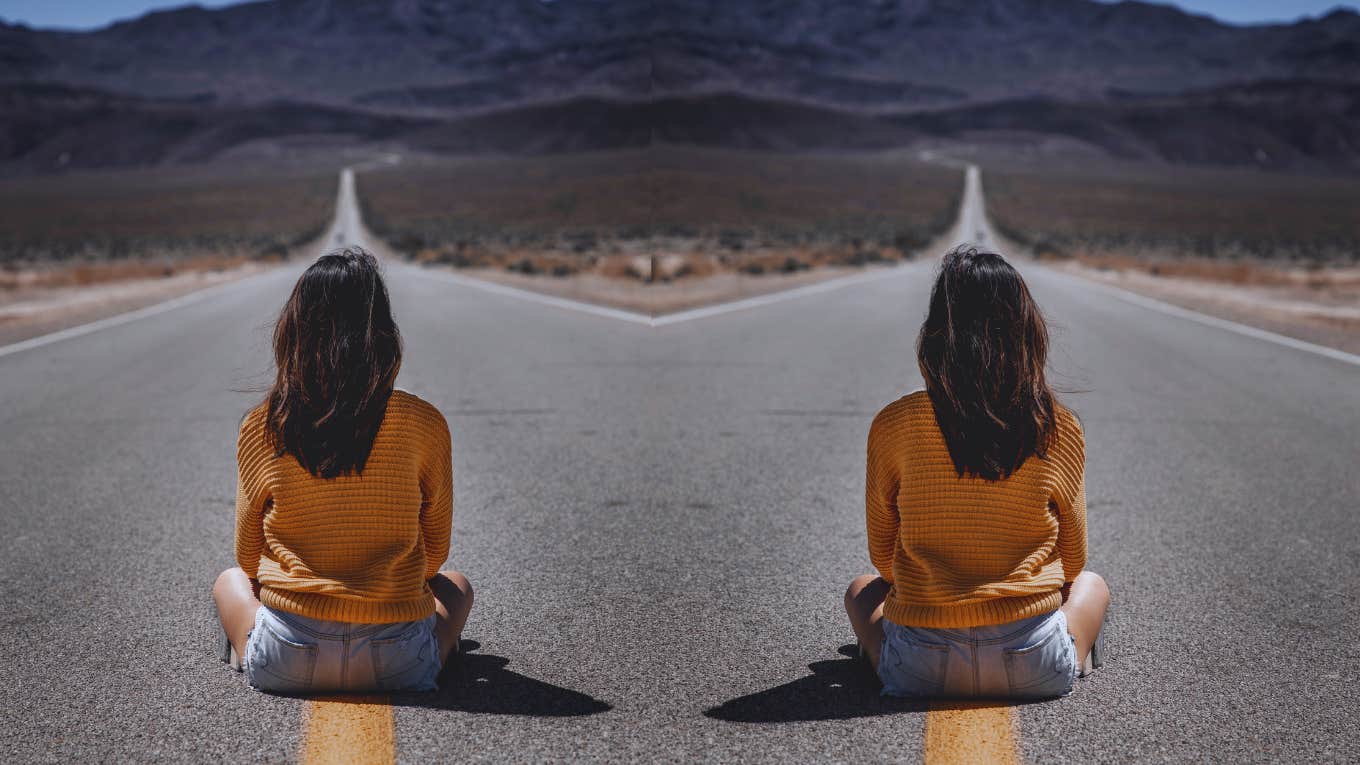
1231 225
149 217
635 267
690 266
87 273
1256 273
738 210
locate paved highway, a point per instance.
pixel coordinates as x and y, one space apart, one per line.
660 519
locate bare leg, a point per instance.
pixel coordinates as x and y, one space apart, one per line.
864 604
237 601
453 602
1085 602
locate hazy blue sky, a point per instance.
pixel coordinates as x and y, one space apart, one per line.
87 14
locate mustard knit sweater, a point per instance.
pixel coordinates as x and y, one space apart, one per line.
966 552
356 548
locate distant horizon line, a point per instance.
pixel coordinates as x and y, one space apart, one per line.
211 6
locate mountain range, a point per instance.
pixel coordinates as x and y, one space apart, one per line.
1130 79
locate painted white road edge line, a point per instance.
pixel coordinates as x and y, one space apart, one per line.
167 305
128 316
780 296
535 297
1188 314
670 318
346 203
971 205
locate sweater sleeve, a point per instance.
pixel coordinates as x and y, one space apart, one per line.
436 489
252 497
1070 500
880 500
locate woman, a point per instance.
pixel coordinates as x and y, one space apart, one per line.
344 505
976 507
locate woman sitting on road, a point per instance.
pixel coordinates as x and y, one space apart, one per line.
344 505
976 508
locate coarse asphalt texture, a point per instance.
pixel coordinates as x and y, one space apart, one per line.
660 522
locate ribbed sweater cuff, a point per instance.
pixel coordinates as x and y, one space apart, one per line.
353 610
987 612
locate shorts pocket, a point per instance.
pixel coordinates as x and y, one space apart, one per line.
276 663
1043 669
408 661
909 666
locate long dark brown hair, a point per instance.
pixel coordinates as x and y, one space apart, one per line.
982 351
337 351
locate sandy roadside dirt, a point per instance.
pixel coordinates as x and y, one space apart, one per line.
1326 311
630 294
1321 307
661 298
30 311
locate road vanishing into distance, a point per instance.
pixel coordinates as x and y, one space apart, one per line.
660 518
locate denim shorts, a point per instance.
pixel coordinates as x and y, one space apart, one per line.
1029 658
289 653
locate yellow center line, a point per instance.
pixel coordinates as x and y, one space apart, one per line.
360 730
970 732
348 729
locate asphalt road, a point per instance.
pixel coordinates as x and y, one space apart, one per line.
660 521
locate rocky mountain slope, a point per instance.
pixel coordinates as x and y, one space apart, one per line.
1131 78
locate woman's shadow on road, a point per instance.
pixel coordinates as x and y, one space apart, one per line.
837 689
480 683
